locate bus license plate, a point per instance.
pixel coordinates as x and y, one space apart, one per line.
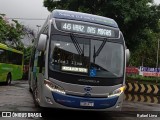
90 104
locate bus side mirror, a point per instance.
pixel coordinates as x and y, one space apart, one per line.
42 42
127 56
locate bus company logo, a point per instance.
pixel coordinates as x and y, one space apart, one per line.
21 114
87 89
6 114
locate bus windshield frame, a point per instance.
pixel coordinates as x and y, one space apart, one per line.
90 56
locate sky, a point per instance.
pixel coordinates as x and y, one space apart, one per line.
25 9
28 9
157 1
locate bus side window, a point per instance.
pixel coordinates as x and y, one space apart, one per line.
2 56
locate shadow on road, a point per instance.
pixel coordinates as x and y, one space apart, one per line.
2 84
50 114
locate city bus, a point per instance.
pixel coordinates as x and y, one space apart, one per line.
11 64
78 62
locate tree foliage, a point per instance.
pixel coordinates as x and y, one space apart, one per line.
137 19
11 33
27 54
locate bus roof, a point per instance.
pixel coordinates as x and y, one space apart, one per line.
71 15
10 49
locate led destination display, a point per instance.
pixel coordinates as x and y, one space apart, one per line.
86 29
74 69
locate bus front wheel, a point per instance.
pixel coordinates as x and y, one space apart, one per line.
9 79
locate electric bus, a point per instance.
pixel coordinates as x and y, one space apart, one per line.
11 64
78 62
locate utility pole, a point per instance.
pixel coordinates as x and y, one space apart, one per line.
157 54
38 26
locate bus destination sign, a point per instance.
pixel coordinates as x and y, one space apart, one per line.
86 29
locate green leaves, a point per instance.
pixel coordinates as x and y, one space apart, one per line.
27 54
138 20
11 33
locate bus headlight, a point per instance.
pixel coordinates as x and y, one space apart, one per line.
117 92
53 87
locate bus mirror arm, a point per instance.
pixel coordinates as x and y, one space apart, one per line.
42 42
127 56
41 62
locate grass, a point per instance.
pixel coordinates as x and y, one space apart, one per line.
144 80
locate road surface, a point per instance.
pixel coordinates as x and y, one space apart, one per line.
18 98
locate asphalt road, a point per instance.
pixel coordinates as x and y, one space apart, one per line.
18 98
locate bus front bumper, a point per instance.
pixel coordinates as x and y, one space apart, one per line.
63 101
84 102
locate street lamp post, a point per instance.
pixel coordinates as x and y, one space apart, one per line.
38 26
157 60
157 54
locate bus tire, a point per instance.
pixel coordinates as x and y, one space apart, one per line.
35 95
9 79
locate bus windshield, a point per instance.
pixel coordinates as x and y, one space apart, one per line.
86 56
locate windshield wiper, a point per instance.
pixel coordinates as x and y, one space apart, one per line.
96 53
76 44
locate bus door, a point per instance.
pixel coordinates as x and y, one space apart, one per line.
38 71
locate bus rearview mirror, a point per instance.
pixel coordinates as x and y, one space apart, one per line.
42 42
127 56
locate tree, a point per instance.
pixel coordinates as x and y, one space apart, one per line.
145 54
27 54
137 19
30 33
4 28
11 33
132 16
